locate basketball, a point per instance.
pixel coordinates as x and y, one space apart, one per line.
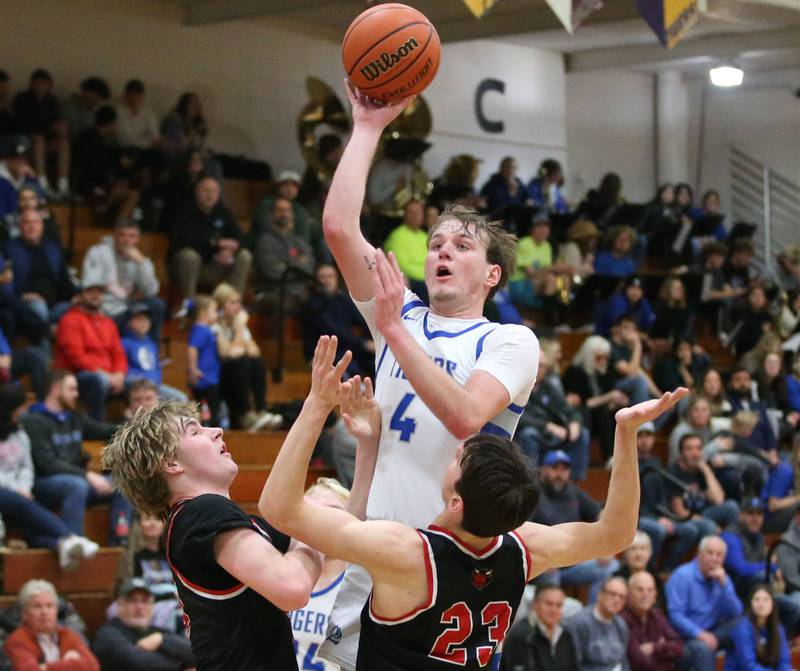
391 51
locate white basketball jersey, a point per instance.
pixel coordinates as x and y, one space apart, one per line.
309 625
415 447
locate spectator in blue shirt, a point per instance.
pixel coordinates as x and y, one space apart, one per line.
702 604
615 260
15 172
204 362
544 190
759 641
142 353
780 500
629 301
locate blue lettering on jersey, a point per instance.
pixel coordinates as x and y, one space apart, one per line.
309 621
445 364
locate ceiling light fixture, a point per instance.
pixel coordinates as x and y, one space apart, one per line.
726 76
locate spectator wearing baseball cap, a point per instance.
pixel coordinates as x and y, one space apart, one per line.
287 186
88 345
15 172
141 352
629 300
130 641
746 560
562 501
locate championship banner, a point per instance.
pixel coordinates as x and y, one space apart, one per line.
572 13
669 19
480 7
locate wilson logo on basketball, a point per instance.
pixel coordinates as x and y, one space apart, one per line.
387 61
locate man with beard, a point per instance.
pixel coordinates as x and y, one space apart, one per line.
740 395
88 344
562 501
62 479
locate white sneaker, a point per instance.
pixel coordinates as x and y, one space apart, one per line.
70 552
90 548
266 420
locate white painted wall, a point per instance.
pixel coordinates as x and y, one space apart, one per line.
763 121
250 76
610 127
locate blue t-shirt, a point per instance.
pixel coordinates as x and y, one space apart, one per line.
202 338
780 484
142 356
605 263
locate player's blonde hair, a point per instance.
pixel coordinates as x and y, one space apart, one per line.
332 485
501 246
137 453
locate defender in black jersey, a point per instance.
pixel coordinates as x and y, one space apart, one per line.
236 575
444 597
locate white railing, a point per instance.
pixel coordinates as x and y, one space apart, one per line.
764 197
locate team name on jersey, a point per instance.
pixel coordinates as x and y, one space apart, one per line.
445 364
309 621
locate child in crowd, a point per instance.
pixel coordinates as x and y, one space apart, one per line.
204 363
243 380
142 353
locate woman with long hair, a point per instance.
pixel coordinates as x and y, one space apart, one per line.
243 380
759 641
40 527
674 317
589 386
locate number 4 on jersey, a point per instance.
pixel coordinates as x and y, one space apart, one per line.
405 425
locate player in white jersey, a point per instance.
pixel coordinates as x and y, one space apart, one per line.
310 622
443 373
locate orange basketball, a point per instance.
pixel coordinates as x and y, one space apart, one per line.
391 51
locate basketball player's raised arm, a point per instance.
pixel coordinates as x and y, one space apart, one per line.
574 542
341 216
380 547
463 409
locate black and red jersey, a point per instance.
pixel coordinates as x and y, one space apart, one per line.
472 598
231 626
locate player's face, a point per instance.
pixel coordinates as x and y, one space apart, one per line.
457 273
203 455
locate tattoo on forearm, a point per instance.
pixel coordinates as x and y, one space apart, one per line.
370 263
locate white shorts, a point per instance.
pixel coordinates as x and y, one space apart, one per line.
344 626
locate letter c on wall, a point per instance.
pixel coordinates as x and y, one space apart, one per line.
483 88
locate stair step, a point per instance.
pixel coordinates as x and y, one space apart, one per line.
94 575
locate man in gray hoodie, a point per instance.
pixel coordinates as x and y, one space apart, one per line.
127 274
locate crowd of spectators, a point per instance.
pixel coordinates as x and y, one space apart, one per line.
643 279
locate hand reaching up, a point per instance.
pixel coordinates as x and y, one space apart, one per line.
360 410
647 411
325 377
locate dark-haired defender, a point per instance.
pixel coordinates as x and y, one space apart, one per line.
444 597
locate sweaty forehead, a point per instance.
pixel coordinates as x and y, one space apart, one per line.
453 228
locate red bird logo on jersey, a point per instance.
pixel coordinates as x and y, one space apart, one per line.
481 578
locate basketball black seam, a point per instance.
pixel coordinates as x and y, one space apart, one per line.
377 10
405 69
386 37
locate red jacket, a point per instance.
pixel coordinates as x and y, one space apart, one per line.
86 341
25 654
